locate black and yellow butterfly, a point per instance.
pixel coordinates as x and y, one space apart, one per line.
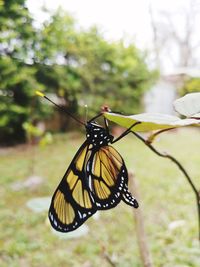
96 179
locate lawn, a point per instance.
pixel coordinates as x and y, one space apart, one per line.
26 238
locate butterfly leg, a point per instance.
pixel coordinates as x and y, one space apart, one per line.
125 133
96 117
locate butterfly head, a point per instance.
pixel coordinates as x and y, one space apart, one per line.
97 135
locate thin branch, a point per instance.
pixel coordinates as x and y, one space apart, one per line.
182 169
152 137
155 36
171 27
107 257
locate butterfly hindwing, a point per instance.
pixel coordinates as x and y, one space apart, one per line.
72 203
107 175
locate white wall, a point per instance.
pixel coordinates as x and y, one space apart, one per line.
160 98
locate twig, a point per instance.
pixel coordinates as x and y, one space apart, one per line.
165 155
108 258
140 230
152 137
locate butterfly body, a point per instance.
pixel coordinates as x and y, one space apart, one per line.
97 135
96 179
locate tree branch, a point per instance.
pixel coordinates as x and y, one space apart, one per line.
108 258
182 169
152 137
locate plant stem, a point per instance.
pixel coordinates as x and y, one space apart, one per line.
152 137
182 169
108 258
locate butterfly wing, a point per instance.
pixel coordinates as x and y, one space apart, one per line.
108 178
128 198
72 203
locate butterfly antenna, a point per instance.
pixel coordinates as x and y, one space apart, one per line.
59 107
86 112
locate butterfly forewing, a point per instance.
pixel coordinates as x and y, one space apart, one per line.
72 203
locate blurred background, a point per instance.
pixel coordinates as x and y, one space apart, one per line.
134 56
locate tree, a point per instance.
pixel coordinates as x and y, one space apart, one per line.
17 73
112 73
179 43
190 85
78 66
92 70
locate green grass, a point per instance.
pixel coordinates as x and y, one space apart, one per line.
25 236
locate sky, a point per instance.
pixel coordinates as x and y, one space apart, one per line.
117 18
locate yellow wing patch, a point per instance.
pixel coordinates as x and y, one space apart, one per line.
114 153
106 166
64 209
114 156
81 196
107 176
77 193
101 190
72 179
96 165
81 158
87 200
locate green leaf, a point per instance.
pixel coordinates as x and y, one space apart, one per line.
188 105
150 121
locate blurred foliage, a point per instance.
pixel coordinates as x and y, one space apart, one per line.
46 139
191 85
32 130
34 135
17 77
78 66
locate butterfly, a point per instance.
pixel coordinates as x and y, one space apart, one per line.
96 179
